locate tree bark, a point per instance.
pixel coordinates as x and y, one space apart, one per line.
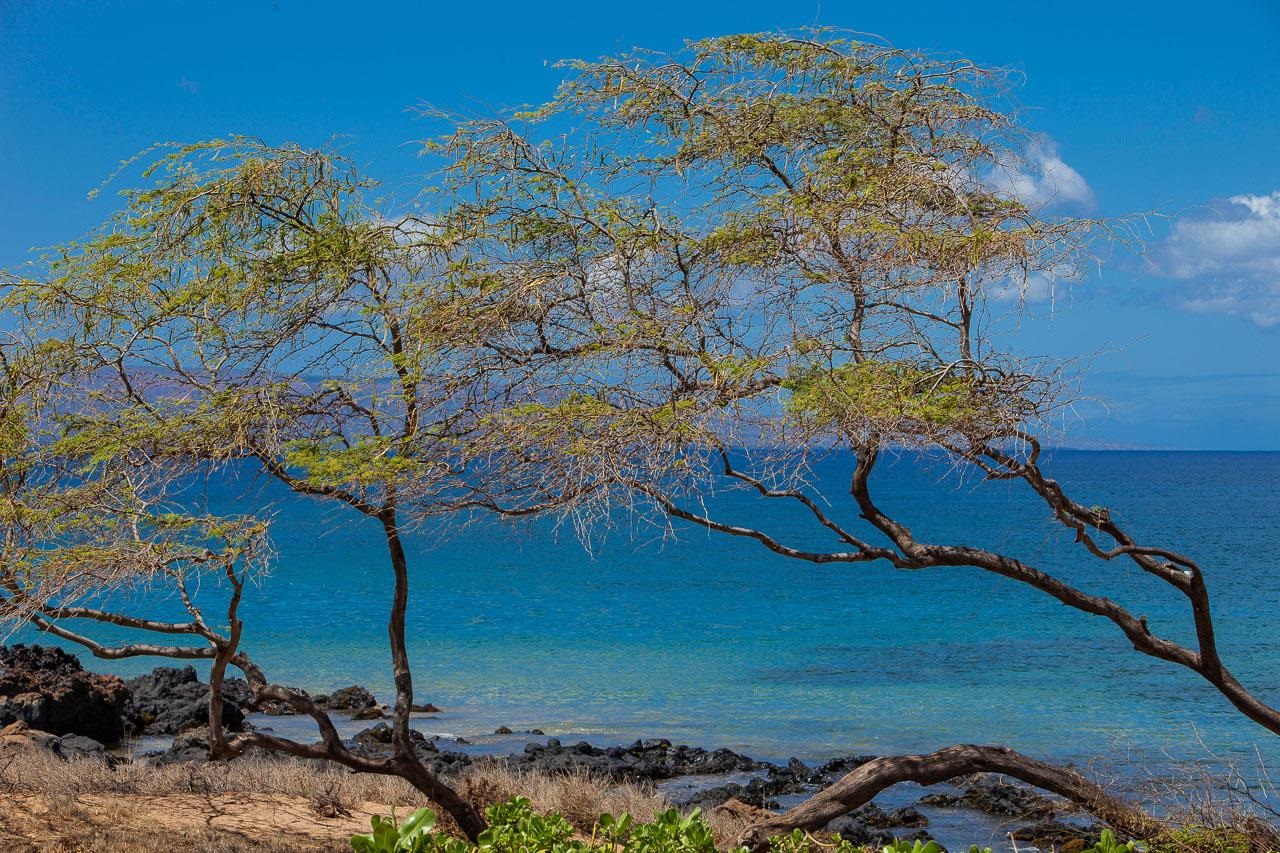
860 786
461 810
411 768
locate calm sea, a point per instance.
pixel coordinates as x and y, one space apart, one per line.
712 640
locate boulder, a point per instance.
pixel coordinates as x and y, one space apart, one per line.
353 698
994 795
172 700
49 690
858 832
1050 834
19 737
191 746
871 825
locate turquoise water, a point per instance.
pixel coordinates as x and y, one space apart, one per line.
712 640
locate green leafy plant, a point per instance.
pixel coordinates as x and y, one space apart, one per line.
670 832
614 830
1109 844
800 842
388 836
514 827
900 845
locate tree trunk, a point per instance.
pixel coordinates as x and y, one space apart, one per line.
461 810
871 778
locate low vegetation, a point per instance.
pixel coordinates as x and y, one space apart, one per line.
269 804
514 827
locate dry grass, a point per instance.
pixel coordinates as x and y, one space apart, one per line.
109 823
580 798
265 804
252 805
42 773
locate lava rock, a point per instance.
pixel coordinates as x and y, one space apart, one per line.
837 769
427 708
19 737
757 794
502 730
172 700
993 795
1050 834
84 749
872 815
856 831
353 698
370 713
191 746
870 825
647 760
49 690
376 739
376 735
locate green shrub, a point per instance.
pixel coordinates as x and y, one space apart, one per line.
514 827
388 836
801 842
1201 839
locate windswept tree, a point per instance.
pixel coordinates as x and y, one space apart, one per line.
247 307
719 264
89 540
684 273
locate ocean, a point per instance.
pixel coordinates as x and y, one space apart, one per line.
712 640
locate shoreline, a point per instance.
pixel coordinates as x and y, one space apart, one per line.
161 719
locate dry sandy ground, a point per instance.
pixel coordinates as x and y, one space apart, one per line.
251 805
194 823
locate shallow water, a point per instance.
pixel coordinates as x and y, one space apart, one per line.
713 641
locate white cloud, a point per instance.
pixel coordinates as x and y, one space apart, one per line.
1227 260
1042 178
1035 287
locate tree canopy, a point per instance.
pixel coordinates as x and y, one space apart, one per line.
681 272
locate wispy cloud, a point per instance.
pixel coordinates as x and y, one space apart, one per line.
1042 178
1226 260
189 85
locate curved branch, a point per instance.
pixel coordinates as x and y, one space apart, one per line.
859 556
869 779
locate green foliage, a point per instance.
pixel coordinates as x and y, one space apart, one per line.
670 831
514 827
388 836
801 842
1108 844
1202 839
900 845
887 395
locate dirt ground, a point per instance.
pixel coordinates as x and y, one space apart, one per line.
193 823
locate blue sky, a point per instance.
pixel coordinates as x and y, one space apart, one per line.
1169 107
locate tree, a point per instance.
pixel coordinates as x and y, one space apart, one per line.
682 273
719 264
247 307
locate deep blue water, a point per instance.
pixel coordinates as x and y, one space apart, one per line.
712 640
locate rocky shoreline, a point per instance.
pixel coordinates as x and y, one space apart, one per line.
49 701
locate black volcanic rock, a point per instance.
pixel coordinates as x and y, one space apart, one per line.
994 795
49 690
354 698
172 700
